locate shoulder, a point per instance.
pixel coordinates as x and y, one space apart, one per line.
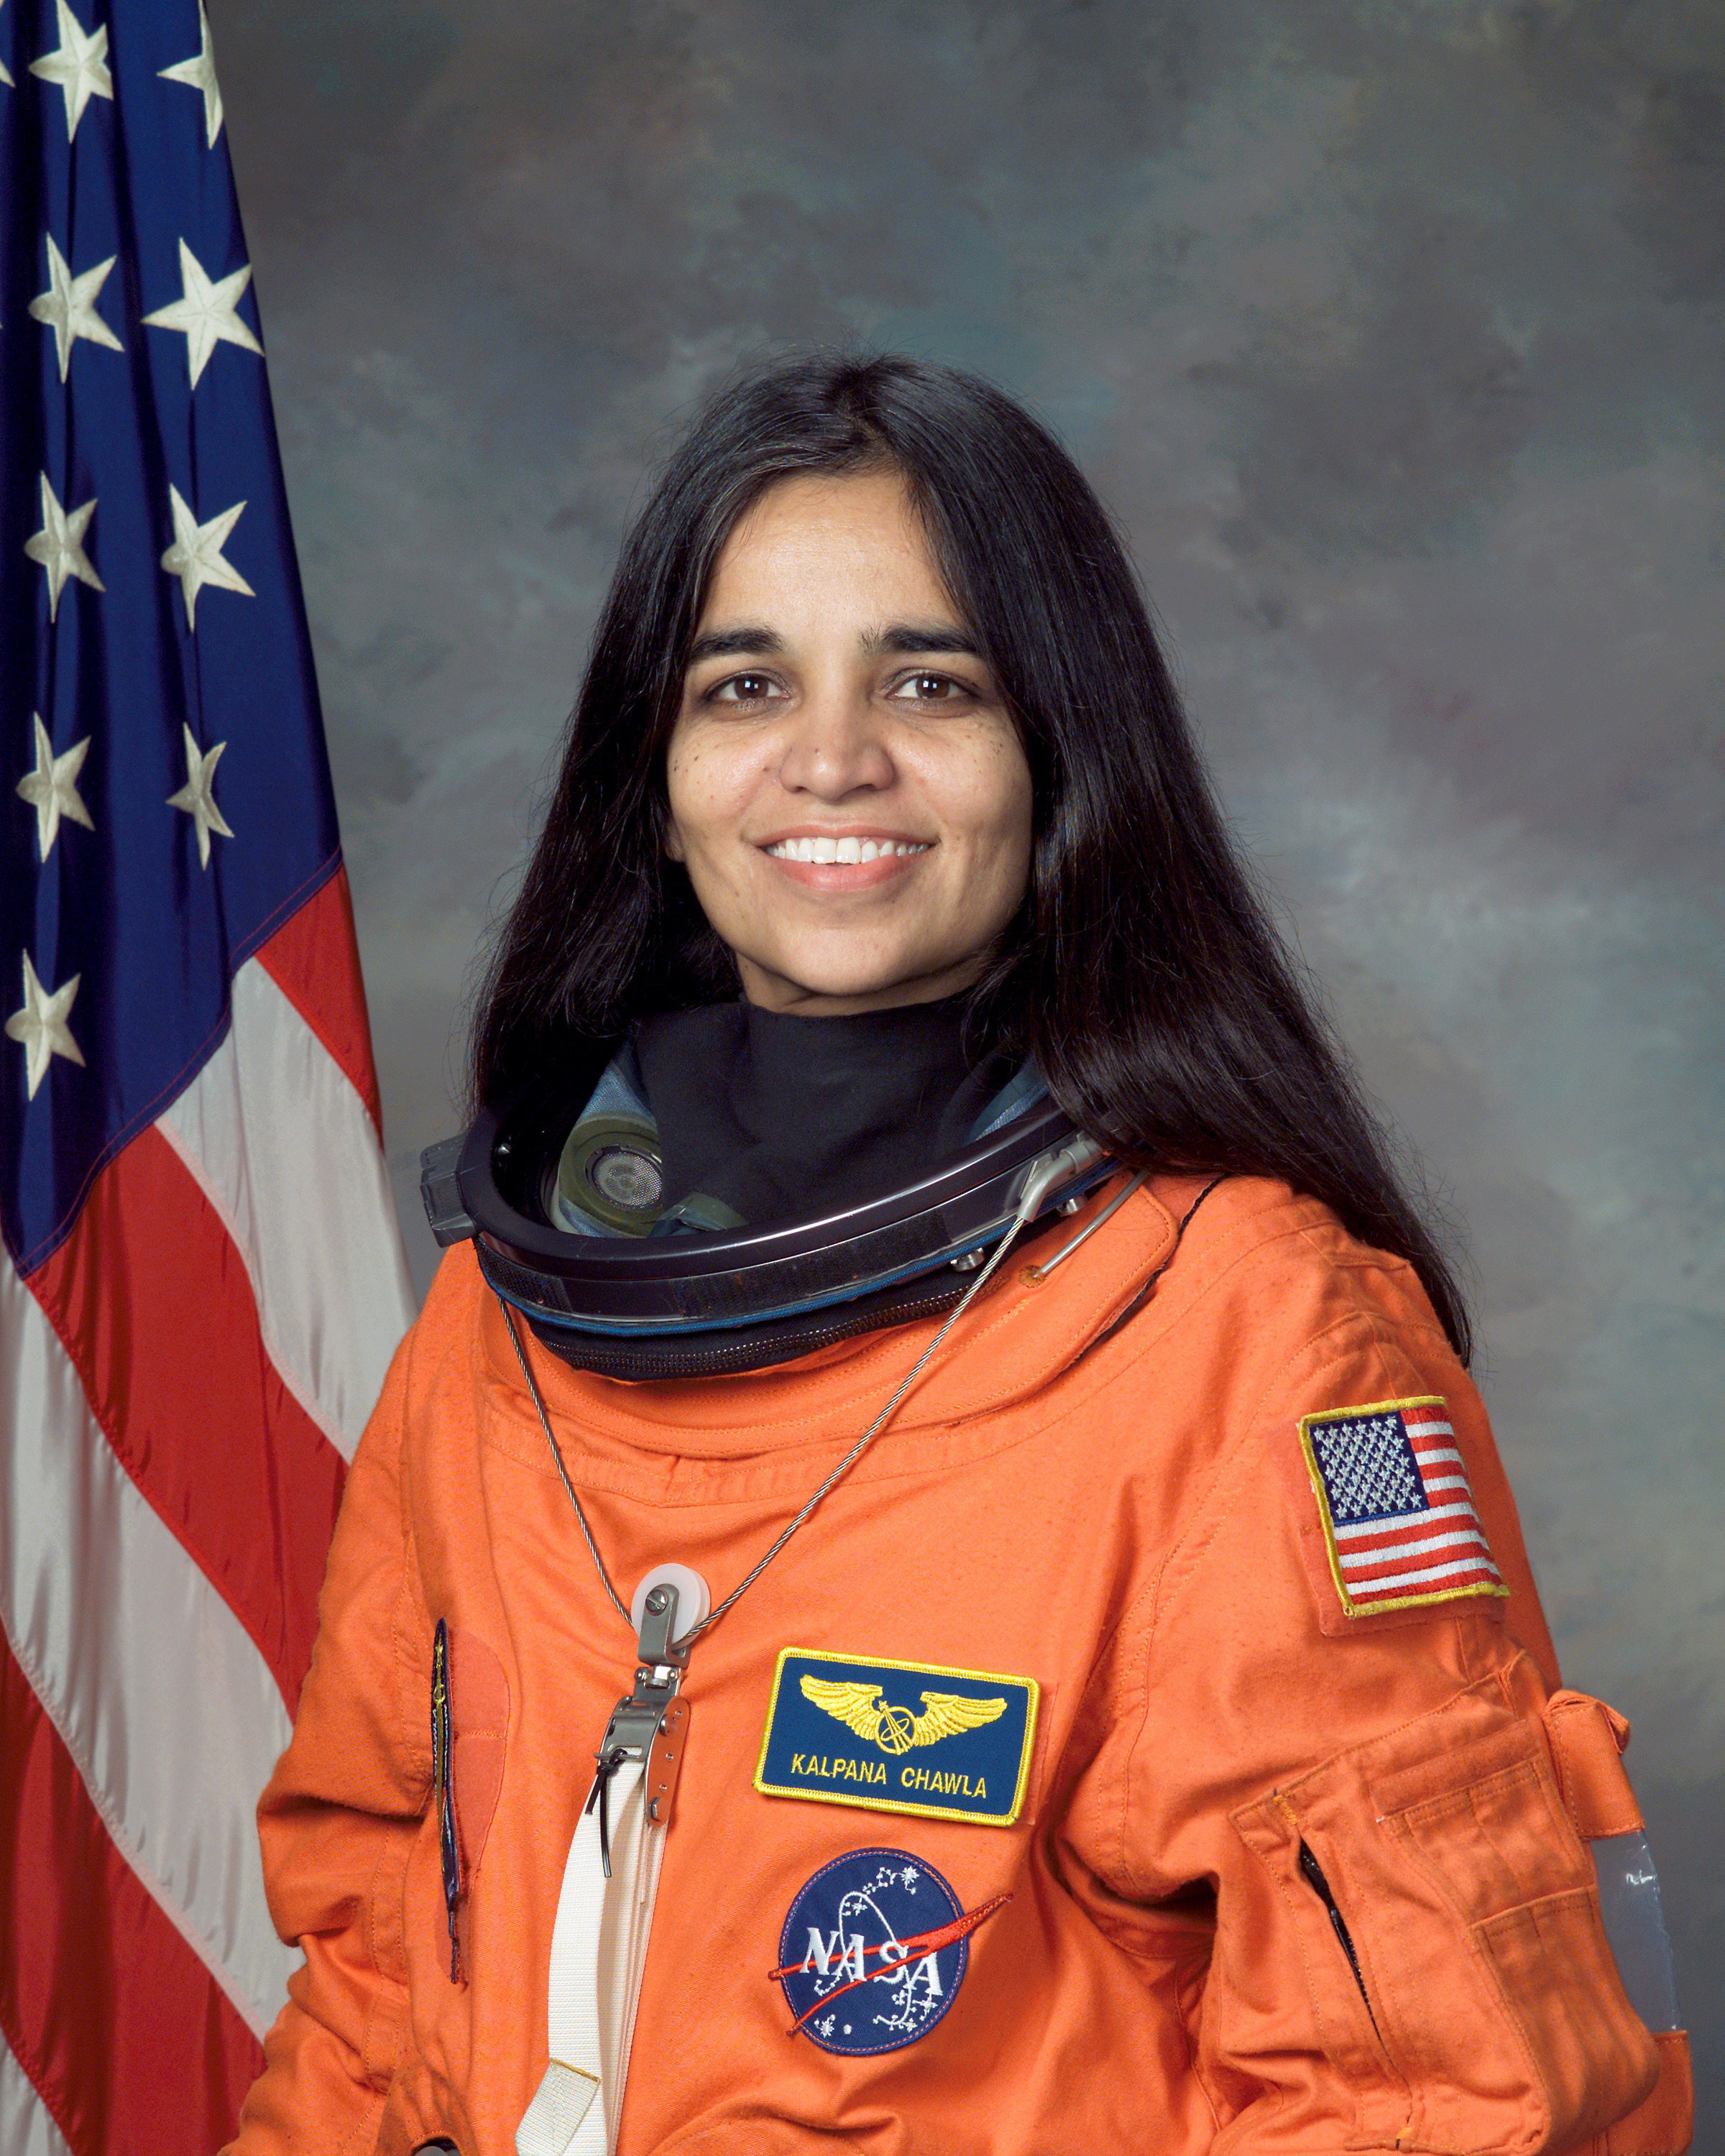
1336 1421
1260 1270
1268 1316
457 1292
444 1339
1260 1310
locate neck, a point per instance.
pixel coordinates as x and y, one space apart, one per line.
777 1119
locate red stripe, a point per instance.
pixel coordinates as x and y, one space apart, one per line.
1402 1560
911 1949
1423 1530
1422 1575
1432 1561
314 959
152 1303
1414 1527
1431 1568
129 2039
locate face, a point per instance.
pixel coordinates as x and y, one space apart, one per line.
847 790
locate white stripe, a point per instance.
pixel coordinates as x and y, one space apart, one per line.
282 1147
25 2128
1446 1482
1439 1452
1361 1559
1430 1429
1374 1587
171 1715
1405 1519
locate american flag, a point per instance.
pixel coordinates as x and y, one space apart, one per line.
1398 1513
202 1281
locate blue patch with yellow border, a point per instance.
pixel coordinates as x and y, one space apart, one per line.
898 1737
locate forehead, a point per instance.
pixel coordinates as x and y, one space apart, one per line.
828 547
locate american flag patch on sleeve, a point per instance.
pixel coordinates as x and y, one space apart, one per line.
1398 1515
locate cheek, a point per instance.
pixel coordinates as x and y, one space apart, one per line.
999 794
694 800
709 783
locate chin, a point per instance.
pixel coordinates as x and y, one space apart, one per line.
909 982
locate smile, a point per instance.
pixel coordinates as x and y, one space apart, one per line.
847 853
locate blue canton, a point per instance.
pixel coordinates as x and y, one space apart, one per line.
167 799
1369 1469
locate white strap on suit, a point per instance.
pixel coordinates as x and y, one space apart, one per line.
598 1950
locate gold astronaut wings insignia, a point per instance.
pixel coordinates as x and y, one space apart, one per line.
896 1729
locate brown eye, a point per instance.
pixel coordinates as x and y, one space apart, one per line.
742 688
929 688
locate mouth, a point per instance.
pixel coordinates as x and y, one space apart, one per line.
854 849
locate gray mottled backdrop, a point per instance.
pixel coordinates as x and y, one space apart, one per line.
1393 332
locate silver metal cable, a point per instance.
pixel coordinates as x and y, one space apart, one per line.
686 1639
521 1357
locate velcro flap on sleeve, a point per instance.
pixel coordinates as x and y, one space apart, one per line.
479 1706
1588 1739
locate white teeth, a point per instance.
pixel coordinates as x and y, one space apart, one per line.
845 852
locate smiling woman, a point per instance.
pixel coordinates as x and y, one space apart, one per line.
1159 1596
854 809
854 504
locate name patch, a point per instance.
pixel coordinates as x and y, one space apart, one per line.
898 1737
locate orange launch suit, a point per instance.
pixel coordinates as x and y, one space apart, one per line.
1134 1523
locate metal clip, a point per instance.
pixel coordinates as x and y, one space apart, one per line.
637 1721
665 1762
657 1645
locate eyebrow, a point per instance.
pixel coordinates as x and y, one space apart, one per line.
754 641
750 642
922 636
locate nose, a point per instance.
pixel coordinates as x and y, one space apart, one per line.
835 745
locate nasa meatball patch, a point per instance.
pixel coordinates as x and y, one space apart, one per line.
898 1737
873 1952
1393 1501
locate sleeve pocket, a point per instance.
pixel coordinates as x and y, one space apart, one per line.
1486 2003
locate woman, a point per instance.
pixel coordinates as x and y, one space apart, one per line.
1143 1731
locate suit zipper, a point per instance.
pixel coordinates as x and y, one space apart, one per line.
1313 1871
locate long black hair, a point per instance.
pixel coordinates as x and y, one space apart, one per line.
1142 972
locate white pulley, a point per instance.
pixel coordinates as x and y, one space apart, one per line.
693 1599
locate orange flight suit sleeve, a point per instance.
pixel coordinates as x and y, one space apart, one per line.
1408 1949
339 1819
